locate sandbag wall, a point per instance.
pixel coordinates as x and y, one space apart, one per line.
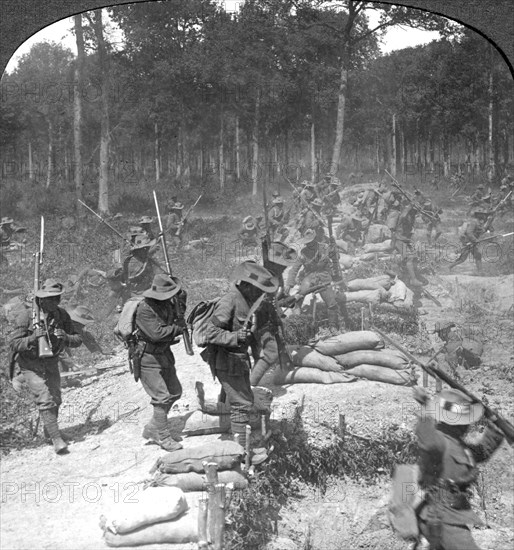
346 358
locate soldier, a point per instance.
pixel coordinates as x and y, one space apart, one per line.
230 337
159 323
392 208
249 233
434 223
473 231
448 466
174 224
280 256
419 197
146 225
41 374
315 262
171 202
402 242
351 227
277 220
138 264
332 199
476 198
311 219
308 194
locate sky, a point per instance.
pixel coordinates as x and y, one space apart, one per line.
395 38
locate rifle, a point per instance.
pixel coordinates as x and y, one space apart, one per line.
284 358
417 206
106 223
183 222
44 349
485 239
290 301
427 294
501 423
316 215
185 332
334 254
490 219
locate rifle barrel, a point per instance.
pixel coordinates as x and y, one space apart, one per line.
105 222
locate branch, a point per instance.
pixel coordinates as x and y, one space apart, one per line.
370 32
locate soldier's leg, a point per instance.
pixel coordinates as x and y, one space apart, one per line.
268 356
461 259
329 297
457 537
437 229
477 255
240 396
45 388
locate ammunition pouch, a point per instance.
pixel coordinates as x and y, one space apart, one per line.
449 494
135 352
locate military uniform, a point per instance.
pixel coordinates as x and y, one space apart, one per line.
474 230
6 231
229 340
434 223
402 234
448 468
311 219
138 264
249 234
158 326
174 224
315 262
41 374
350 229
277 220
392 209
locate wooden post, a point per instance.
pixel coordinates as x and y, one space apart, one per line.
342 425
425 379
248 446
211 473
236 439
202 523
263 425
362 318
218 516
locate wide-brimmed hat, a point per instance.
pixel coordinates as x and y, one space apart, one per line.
480 212
417 192
255 274
135 230
504 186
310 184
5 221
80 314
177 206
275 194
317 202
281 254
308 236
145 219
278 200
142 241
50 287
248 219
427 202
163 287
249 226
454 408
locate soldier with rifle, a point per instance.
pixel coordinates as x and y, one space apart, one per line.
230 331
316 262
433 223
312 219
277 220
249 234
174 223
448 463
474 229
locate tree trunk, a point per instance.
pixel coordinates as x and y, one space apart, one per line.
377 152
156 152
341 102
393 147
238 152
103 180
31 168
221 155
255 145
50 163
313 153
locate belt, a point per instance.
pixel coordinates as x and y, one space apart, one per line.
155 349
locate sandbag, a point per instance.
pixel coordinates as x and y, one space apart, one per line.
193 481
384 246
383 358
384 281
363 284
377 373
305 356
199 423
346 261
153 505
472 351
226 454
377 233
179 531
367 296
367 257
350 341
308 375
263 398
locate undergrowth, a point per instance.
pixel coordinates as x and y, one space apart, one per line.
295 461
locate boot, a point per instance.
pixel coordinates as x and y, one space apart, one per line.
164 439
200 394
333 320
239 428
414 281
49 417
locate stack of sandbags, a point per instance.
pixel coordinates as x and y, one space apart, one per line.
371 283
158 515
370 296
184 468
354 354
384 246
214 417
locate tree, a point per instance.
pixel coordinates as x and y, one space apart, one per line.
77 106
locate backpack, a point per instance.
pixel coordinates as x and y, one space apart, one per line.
126 325
198 319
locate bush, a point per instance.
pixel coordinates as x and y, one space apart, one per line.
11 194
